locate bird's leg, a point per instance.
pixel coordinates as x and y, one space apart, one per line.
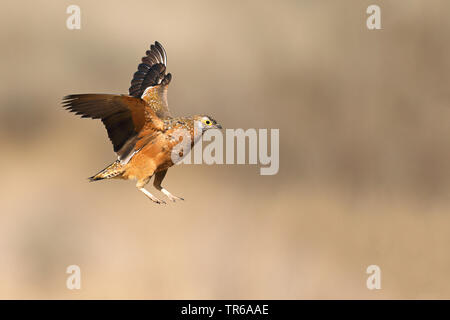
159 177
140 185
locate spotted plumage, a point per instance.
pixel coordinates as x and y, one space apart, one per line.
144 134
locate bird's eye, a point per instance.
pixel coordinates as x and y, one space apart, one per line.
208 122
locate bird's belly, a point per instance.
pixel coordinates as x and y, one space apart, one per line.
148 161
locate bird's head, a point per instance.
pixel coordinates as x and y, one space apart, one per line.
204 123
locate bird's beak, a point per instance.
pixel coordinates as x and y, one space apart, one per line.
218 126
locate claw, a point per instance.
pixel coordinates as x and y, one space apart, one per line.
158 201
174 198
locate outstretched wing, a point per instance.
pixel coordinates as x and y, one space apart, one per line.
150 81
123 116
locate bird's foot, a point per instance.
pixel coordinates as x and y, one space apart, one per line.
152 197
170 196
158 201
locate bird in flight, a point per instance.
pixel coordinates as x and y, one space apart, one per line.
143 132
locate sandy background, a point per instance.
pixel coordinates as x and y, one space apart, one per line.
364 151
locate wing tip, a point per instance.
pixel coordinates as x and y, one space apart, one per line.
151 70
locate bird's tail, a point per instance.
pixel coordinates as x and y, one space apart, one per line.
112 171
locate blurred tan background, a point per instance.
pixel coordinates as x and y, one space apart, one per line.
364 151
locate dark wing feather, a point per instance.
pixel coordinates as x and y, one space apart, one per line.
123 116
151 78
